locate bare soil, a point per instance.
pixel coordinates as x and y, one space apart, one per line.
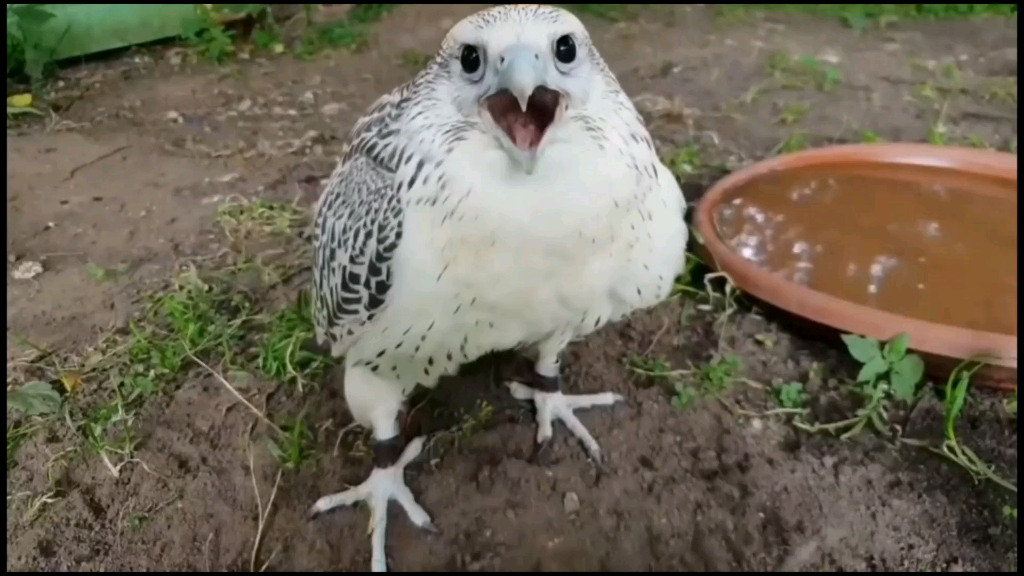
143 149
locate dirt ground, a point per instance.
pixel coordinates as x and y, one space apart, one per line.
143 150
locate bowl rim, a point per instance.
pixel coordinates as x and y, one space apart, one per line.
844 315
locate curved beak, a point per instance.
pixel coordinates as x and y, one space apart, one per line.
520 71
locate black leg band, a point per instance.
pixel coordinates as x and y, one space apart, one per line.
387 452
524 371
546 383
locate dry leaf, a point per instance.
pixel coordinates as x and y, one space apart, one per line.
20 100
72 382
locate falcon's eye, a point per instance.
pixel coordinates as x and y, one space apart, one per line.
470 59
565 49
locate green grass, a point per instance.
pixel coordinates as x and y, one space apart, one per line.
414 59
205 321
795 142
243 219
196 319
891 376
352 33
888 374
690 385
952 448
293 446
609 12
793 113
685 160
790 72
281 355
712 380
861 16
791 395
217 42
30 61
212 40
198 323
871 137
28 57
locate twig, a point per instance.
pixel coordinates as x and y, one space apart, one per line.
262 514
99 158
987 114
341 434
977 469
656 337
55 254
206 549
263 567
752 383
145 467
235 392
773 412
115 470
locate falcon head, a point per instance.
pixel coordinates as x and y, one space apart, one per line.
518 71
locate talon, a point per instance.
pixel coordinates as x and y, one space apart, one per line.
383 485
551 406
541 454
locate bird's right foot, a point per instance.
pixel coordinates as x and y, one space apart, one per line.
383 485
554 405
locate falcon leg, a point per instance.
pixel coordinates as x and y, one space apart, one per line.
544 389
386 482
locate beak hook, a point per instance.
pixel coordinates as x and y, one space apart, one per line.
520 71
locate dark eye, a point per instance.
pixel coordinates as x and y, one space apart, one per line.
565 49
470 59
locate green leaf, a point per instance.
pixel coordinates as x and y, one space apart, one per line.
955 401
906 374
862 349
275 449
856 21
246 9
31 16
896 348
791 395
34 399
872 369
15 111
685 397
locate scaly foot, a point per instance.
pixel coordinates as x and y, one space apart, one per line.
383 485
553 406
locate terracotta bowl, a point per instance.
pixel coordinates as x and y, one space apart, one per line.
942 346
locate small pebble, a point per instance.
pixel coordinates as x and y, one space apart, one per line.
332 109
27 270
571 503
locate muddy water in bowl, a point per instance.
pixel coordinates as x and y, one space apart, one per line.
910 240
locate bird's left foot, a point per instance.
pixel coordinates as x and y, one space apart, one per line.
554 405
383 485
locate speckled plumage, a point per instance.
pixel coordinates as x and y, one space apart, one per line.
431 250
441 237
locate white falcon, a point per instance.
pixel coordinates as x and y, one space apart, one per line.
508 197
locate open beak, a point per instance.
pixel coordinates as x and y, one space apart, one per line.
520 72
522 107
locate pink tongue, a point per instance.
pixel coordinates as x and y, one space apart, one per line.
523 132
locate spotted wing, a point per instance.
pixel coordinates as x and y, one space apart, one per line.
357 228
